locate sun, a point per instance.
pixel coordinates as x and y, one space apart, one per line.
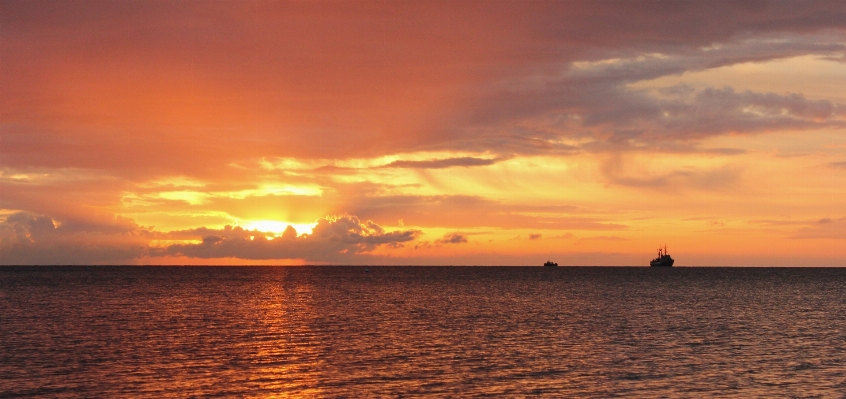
276 227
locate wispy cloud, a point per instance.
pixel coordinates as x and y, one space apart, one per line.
602 238
445 163
826 228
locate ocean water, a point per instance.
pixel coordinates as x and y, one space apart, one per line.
177 332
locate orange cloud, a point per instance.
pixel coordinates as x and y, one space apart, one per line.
539 119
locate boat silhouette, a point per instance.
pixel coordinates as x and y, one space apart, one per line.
663 260
550 263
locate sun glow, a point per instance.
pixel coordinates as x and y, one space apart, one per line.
276 227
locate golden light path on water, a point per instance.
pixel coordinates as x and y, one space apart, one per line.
376 332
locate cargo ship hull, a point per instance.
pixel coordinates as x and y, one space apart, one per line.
664 261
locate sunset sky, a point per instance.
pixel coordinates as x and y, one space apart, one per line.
423 133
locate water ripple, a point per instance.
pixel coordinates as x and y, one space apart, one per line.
443 332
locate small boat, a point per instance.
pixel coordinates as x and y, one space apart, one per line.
550 263
663 260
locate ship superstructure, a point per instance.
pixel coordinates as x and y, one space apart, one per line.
663 260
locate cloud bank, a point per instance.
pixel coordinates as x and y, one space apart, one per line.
36 239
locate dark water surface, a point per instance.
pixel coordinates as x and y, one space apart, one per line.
165 332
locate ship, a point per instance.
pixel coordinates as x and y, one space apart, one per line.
550 263
663 260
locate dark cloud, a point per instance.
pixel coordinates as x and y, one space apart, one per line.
226 232
37 239
457 211
335 170
618 171
27 238
535 236
427 164
232 81
338 239
719 111
617 118
452 238
776 222
593 100
837 165
445 163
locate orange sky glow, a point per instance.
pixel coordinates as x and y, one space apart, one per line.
422 133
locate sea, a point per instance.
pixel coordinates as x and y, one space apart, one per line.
392 332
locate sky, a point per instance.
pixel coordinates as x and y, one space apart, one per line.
423 133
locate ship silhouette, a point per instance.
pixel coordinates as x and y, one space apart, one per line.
663 260
550 263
